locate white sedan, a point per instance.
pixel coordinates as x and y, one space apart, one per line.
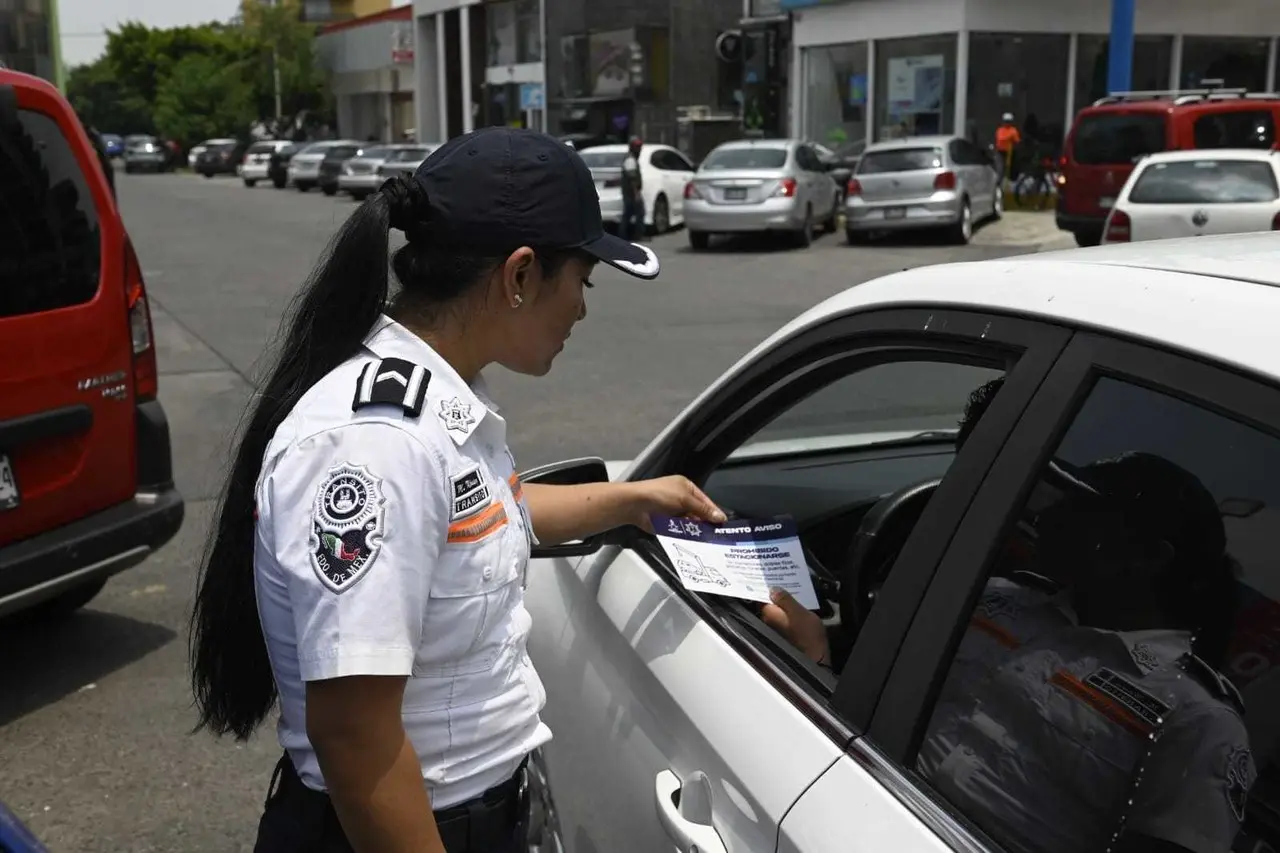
664 171
1121 491
1193 193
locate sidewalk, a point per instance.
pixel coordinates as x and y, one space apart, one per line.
1024 229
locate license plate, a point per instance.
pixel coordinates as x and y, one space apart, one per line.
735 194
9 495
895 213
1106 202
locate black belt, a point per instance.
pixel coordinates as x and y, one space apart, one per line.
489 821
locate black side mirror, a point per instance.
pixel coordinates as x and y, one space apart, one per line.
574 472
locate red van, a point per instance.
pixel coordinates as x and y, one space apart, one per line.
1109 137
86 480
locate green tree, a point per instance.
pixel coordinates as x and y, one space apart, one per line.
202 98
103 102
278 38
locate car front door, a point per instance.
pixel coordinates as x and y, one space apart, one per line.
1143 704
680 718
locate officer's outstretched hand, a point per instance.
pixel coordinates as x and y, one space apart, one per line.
676 496
802 627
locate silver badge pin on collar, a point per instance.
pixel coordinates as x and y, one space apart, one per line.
456 415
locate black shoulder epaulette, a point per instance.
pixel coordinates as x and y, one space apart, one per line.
393 382
1217 683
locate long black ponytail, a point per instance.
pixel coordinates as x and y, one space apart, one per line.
327 323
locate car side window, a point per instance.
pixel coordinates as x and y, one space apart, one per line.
829 460
1117 686
662 160
1236 129
51 248
679 162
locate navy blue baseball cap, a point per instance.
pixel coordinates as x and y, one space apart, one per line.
499 188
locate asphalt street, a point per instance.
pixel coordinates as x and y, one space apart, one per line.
95 715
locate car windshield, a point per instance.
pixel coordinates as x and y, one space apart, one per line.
603 159
755 157
375 153
1206 181
216 147
1117 138
262 148
900 160
408 155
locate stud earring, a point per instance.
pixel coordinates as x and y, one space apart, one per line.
517 301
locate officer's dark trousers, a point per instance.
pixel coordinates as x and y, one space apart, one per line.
632 225
300 820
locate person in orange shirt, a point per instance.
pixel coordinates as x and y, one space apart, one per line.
1008 137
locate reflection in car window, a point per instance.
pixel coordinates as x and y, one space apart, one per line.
1117 138
900 160
1235 129
50 235
603 159
755 157
1205 182
1114 687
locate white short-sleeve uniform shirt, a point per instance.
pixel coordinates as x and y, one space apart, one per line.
394 543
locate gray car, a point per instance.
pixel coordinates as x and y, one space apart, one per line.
760 185
143 153
403 162
922 182
359 177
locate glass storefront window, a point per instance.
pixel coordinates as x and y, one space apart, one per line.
1024 74
1237 62
835 108
1152 61
529 31
915 86
515 33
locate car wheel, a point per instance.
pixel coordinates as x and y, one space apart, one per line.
699 239
962 231
804 237
248 182
358 195
208 176
70 601
661 216
1086 239
329 191
302 188
997 203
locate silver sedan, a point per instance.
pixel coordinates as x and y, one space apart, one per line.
922 182
759 185
360 176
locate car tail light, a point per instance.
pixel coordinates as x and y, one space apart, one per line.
945 181
1062 161
786 188
691 190
853 187
1118 228
146 382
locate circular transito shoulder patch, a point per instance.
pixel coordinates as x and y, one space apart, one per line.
347 525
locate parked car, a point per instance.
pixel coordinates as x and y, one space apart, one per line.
943 182
1193 193
114 144
86 480
193 156
278 164
256 165
842 161
221 158
331 166
846 421
404 161
144 153
360 177
304 167
1109 137
664 172
760 185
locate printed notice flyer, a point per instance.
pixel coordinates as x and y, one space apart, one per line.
741 558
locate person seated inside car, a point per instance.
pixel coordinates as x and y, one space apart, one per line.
1082 719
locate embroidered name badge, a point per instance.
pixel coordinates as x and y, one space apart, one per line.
1129 696
347 525
470 493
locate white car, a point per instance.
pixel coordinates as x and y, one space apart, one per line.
304 168
1192 193
682 721
257 160
664 171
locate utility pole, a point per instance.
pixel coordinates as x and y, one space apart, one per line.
275 74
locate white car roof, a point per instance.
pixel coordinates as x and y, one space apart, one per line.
1217 297
1256 154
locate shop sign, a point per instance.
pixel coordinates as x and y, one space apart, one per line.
531 96
857 90
402 43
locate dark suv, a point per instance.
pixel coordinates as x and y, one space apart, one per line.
86 481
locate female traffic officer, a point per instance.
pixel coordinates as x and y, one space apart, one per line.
366 565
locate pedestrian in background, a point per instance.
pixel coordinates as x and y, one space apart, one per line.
366 564
1008 138
632 197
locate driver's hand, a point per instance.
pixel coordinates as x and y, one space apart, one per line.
802 627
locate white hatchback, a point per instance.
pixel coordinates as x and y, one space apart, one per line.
1193 193
1010 606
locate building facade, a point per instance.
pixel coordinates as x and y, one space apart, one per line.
332 11
598 70
370 65
876 69
29 38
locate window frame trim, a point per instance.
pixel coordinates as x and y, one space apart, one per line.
1034 344
920 669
